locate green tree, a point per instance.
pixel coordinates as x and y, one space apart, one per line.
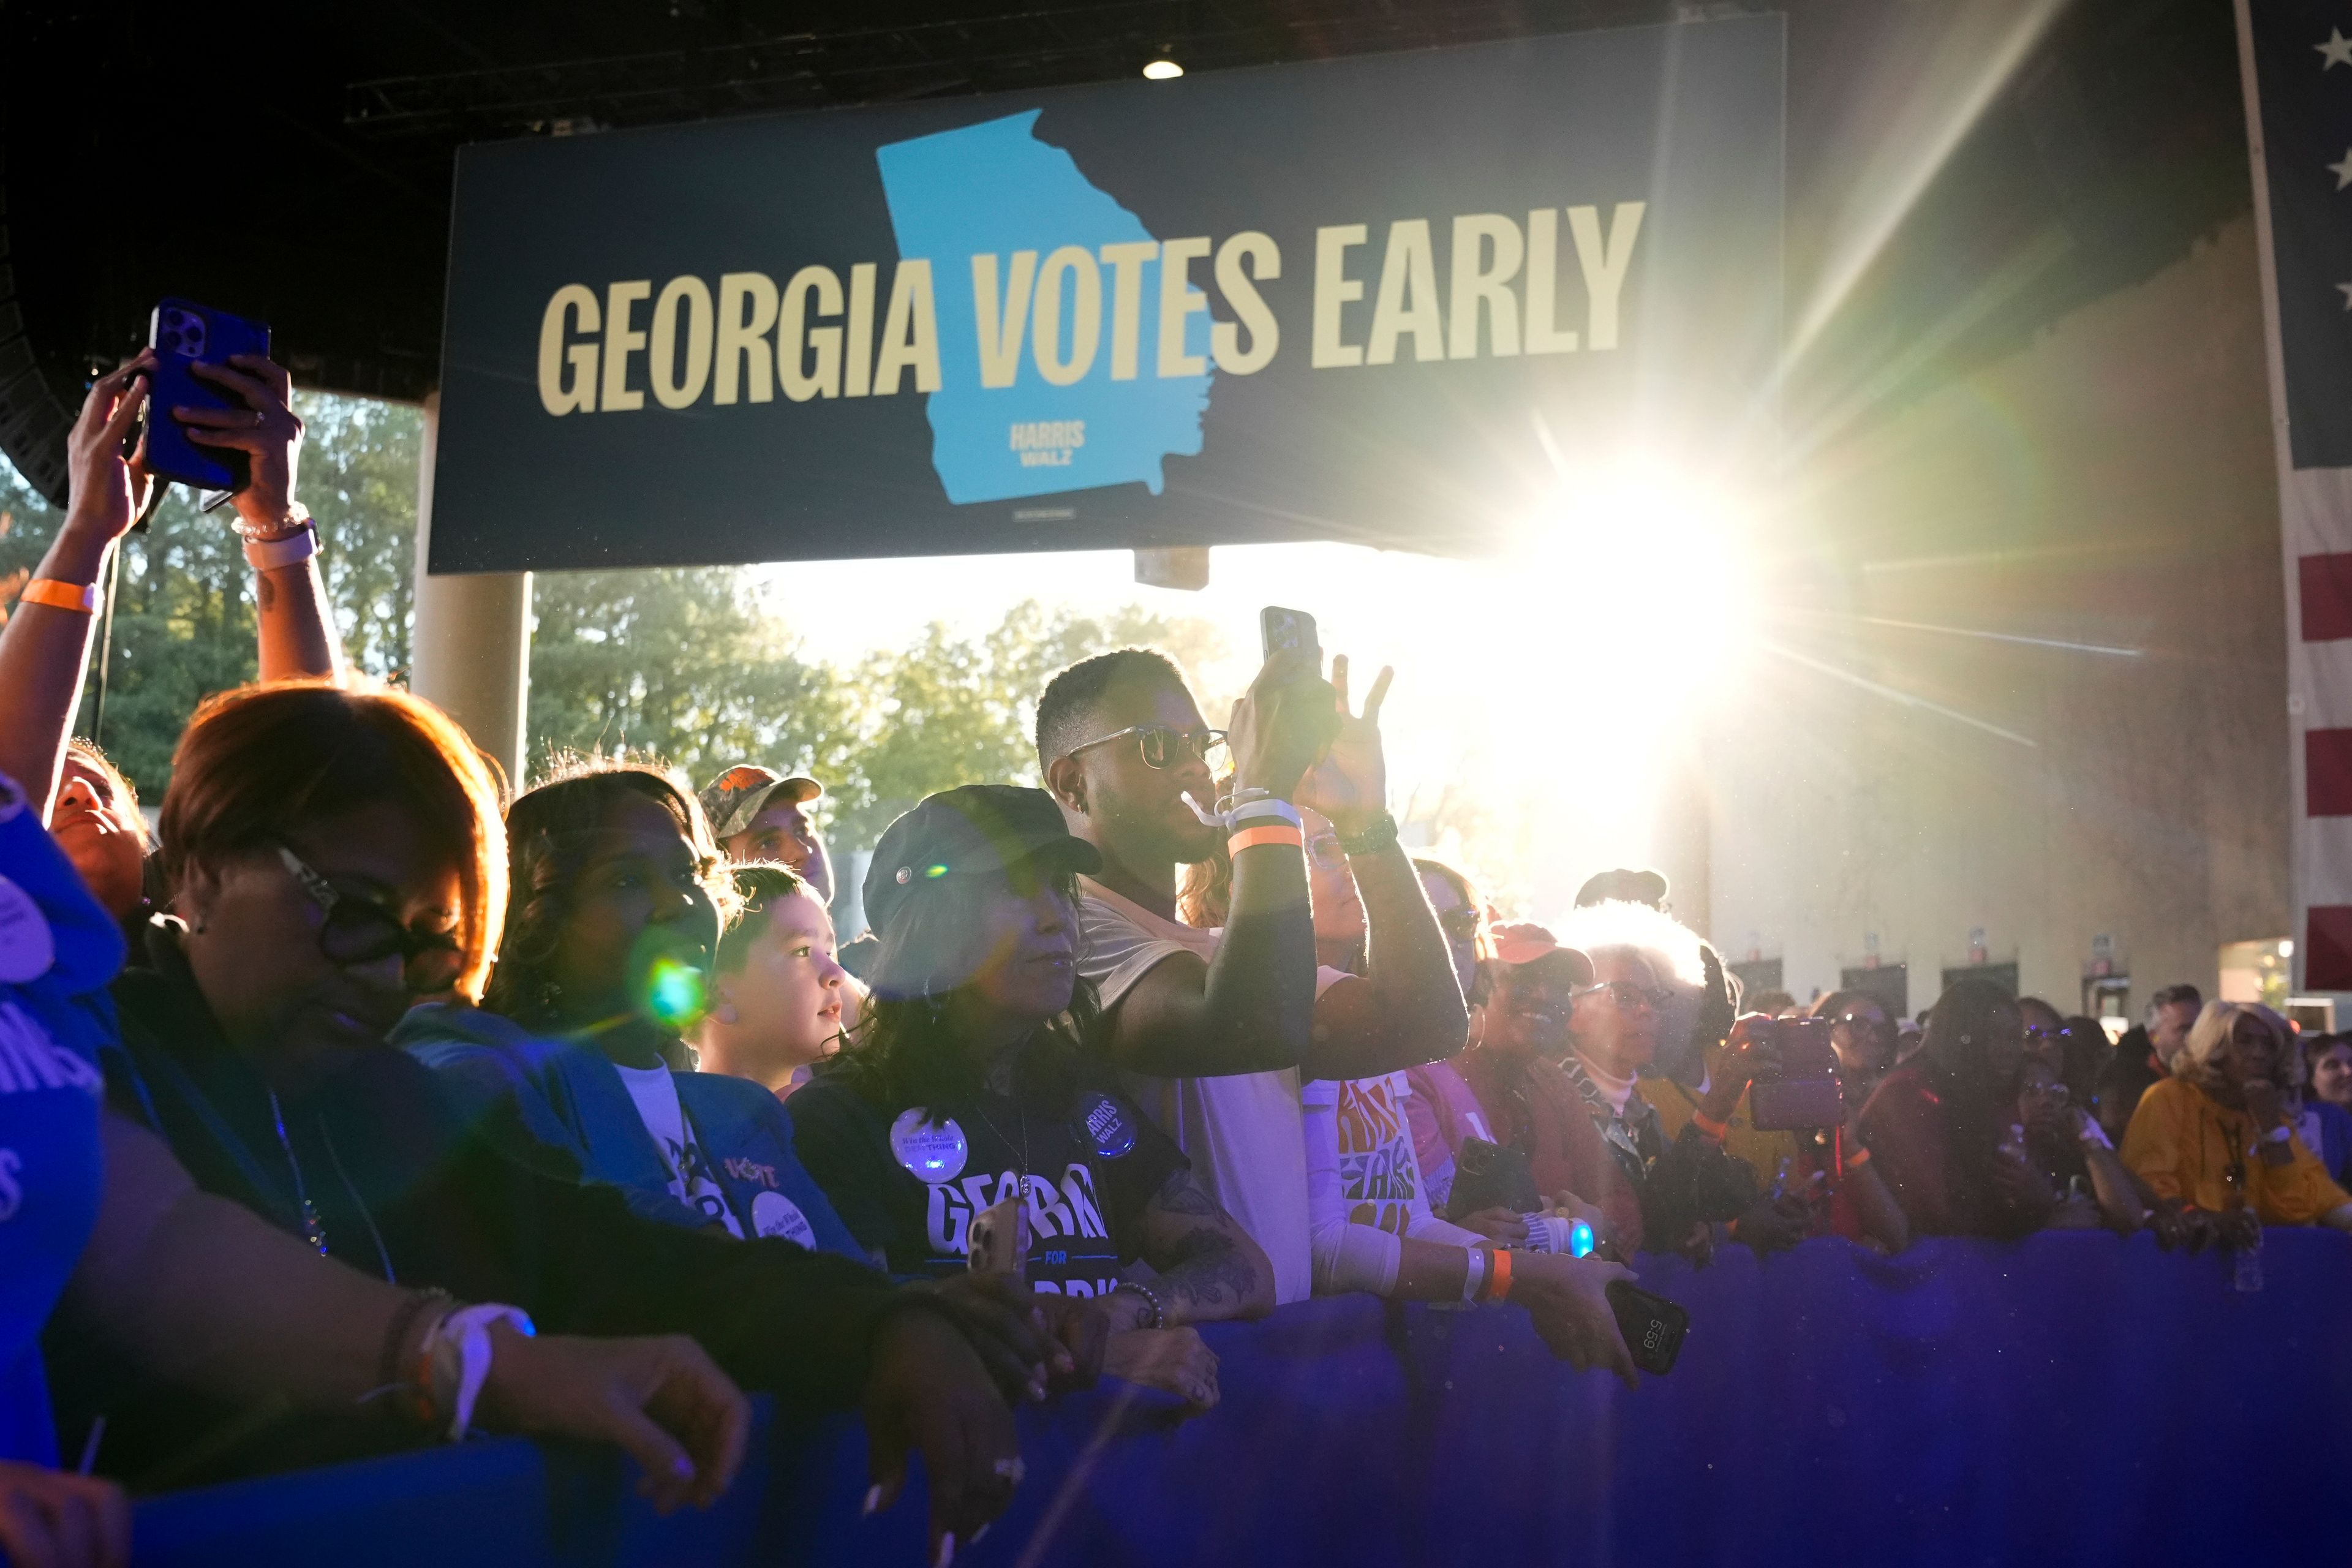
184 614
692 664
359 478
951 711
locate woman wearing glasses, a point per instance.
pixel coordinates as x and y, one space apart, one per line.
1613 1036
336 855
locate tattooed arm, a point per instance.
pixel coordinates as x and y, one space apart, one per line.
1208 1265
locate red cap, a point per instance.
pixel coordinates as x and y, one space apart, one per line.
1527 943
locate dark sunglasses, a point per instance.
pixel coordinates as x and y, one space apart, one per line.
1459 924
1160 743
360 931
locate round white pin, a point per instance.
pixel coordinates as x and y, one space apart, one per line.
933 1152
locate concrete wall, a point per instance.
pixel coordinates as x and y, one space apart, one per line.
2110 485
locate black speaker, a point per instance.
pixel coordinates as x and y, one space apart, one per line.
33 421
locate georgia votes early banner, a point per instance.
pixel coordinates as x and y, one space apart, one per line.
1371 299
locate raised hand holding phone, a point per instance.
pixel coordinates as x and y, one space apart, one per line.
262 430
1282 725
183 337
108 486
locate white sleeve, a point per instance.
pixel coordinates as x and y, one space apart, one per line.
1348 1256
1427 1226
1115 953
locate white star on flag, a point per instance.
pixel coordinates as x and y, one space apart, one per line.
2337 49
2343 172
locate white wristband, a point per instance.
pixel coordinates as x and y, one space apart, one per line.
1258 807
1264 811
270 555
459 1350
1474 1278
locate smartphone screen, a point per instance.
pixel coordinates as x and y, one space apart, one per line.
1653 1327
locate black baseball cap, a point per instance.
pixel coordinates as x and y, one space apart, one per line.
1626 885
971 830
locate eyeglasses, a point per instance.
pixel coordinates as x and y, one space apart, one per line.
2042 1032
360 931
1864 1021
1628 995
1459 924
1160 743
1324 849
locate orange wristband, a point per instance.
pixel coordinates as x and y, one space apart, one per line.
1709 1125
1499 1275
1857 1160
60 596
1271 833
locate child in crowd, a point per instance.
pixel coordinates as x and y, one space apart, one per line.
780 1000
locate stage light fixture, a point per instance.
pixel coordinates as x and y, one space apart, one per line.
1163 70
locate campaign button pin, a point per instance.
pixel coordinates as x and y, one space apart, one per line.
772 1214
1107 1126
933 1152
26 946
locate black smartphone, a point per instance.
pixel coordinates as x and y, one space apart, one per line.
1653 1327
1491 1175
184 334
1800 1089
1279 628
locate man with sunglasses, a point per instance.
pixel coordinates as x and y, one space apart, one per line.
1216 1029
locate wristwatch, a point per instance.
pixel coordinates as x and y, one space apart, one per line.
1373 840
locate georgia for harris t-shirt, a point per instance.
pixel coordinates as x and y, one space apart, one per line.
909 1186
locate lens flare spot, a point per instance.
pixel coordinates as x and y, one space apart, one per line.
676 994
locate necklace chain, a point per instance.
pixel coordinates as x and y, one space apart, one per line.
314 1230
1022 1113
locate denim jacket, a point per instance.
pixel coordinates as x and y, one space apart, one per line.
531 1093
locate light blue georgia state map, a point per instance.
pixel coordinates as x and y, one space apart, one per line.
995 188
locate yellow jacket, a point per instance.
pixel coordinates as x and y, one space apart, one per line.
2181 1142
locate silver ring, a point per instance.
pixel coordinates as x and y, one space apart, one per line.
1013 1470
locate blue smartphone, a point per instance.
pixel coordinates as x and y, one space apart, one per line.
184 334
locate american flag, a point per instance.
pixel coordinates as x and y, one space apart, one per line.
2296 59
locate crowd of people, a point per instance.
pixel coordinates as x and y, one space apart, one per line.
364 1103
